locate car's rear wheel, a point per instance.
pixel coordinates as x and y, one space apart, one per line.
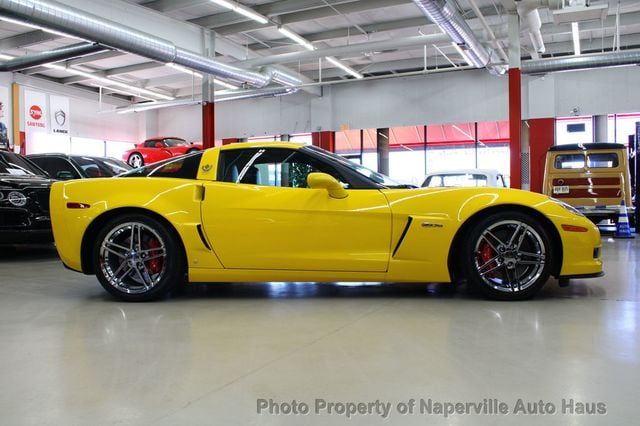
508 256
137 258
136 160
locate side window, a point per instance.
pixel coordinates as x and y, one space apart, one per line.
54 166
151 143
271 167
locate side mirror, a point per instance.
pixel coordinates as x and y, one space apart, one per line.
328 182
159 145
64 175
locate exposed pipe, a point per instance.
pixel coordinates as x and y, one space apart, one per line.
58 17
446 17
489 30
40 58
530 15
599 60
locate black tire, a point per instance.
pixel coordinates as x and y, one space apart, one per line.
137 258
508 256
136 160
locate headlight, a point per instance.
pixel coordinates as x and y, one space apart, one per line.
568 207
16 198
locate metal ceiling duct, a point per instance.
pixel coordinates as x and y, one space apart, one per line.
444 14
600 60
50 56
58 17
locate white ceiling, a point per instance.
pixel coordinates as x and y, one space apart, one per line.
326 23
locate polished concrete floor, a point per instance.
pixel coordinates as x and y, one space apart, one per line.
71 355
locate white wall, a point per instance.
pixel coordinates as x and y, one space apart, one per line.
594 92
184 121
432 99
87 121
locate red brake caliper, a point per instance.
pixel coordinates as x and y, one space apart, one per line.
486 254
154 265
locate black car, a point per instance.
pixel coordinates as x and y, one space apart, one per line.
64 167
24 201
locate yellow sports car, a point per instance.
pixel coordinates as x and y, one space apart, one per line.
293 212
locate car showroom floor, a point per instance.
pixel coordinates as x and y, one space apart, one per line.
73 355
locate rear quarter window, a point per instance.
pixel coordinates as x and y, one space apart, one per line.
603 161
569 161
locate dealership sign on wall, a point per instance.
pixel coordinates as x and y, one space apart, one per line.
35 104
59 114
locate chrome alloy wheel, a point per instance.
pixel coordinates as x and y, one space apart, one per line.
509 256
136 160
133 257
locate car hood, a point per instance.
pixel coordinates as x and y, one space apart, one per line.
22 182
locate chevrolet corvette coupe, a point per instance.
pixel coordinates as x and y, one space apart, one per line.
292 212
157 149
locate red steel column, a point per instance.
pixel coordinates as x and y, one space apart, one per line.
208 125
324 140
515 118
541 138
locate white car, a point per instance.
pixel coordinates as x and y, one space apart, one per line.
466 177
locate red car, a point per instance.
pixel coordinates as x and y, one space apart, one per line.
158 148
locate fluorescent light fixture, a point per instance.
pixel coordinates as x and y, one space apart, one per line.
133 90
462 53
295 37
343 67
225 84
576 37
156 105
37 27
242 10
129 90
183 69
197 74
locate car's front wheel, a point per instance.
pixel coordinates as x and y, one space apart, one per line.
137 258
508 256
136 160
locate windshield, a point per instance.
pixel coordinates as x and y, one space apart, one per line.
376 177
102 166
16 165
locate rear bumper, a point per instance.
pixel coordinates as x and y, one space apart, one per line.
26 236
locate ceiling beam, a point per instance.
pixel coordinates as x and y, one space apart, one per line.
171 5
27 39
92 58
113 71
277 8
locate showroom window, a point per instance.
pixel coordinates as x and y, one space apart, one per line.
415 151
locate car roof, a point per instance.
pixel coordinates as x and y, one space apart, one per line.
159 138
586 146
275 144
466 171
60 154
